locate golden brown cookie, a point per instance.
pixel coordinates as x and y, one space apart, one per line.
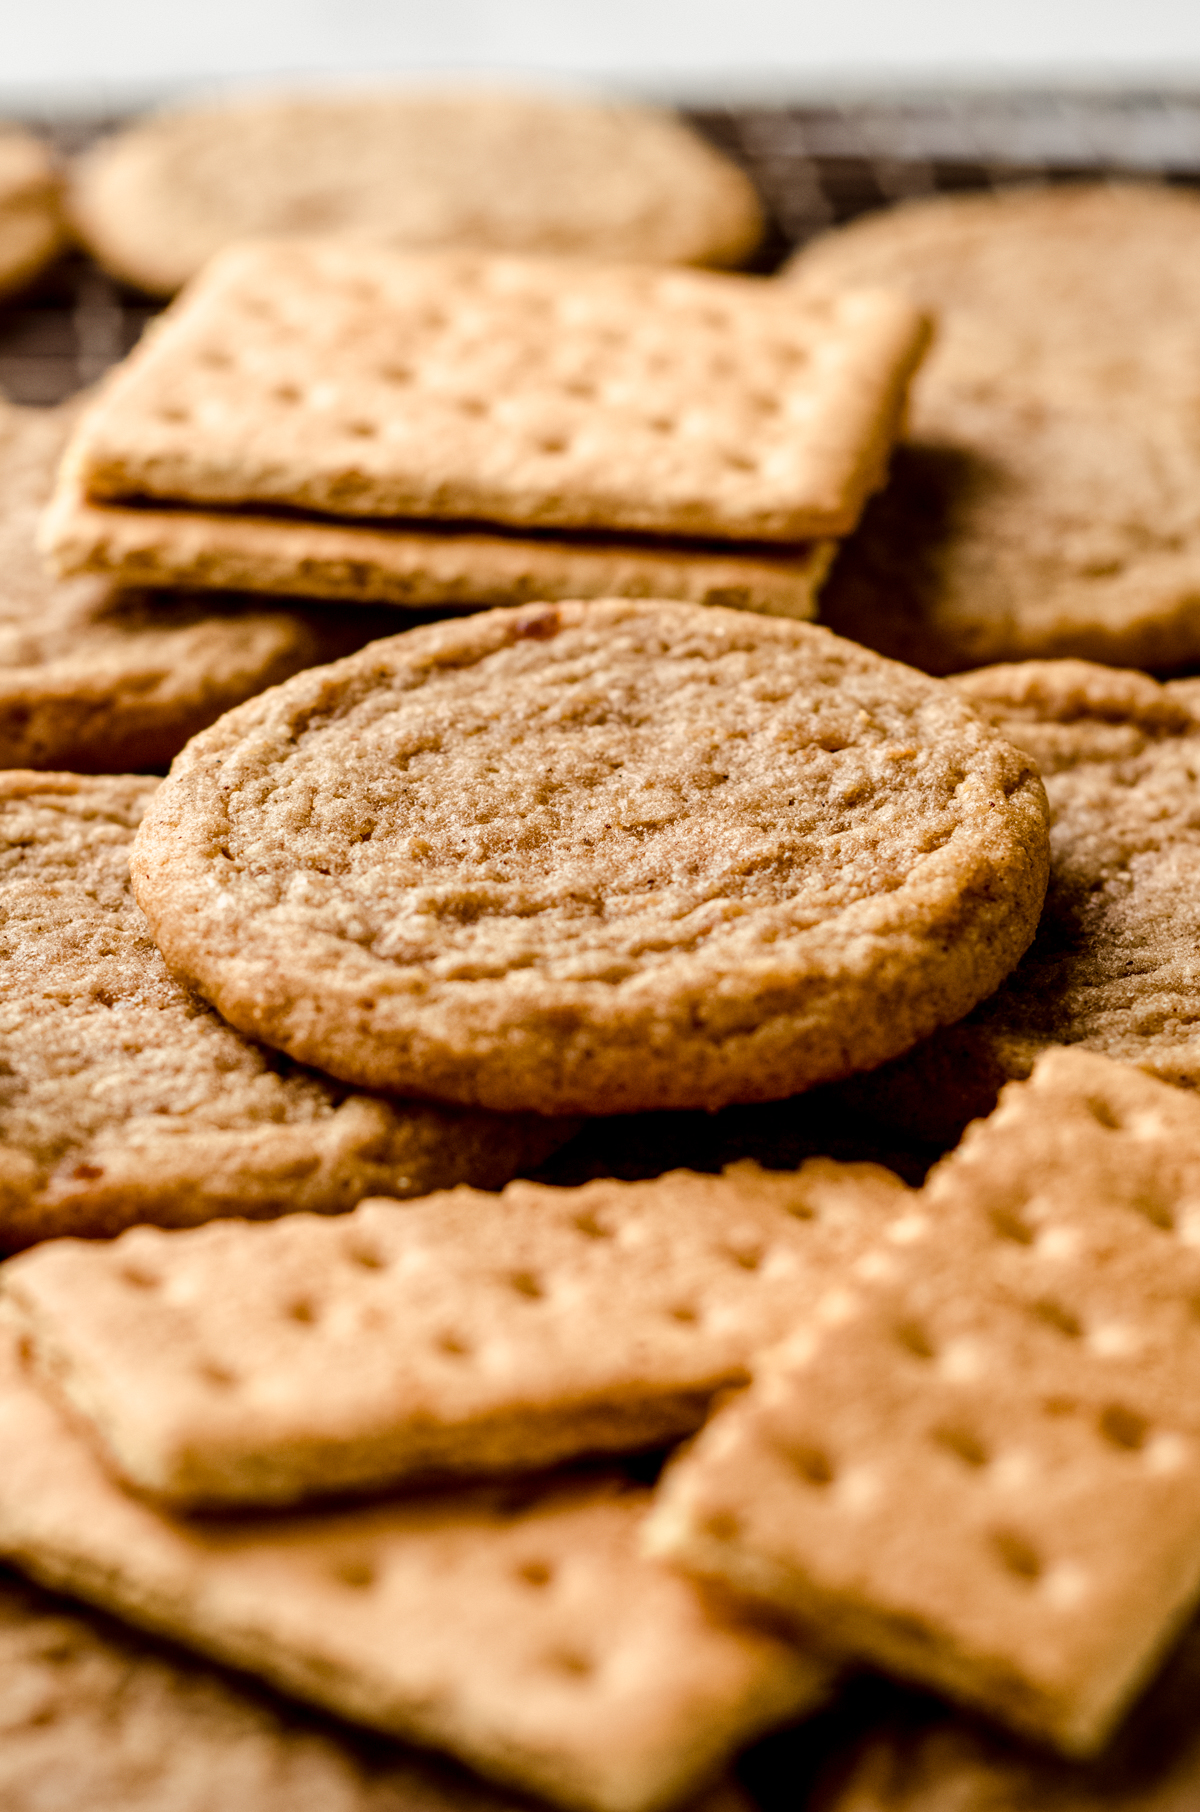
99 680
125 1099
31 229
497 171
1113 964
597 857
1044 502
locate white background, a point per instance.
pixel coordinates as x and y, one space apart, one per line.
95 53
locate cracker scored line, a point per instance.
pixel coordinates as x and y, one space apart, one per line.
463 1333
980 1465
505 390
520 1630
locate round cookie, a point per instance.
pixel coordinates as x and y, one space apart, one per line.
596 858
125 1099
1114 963
99 680
1046 500
503 172
31 228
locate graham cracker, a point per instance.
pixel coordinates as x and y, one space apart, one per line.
409 166
1112 965
518 1629
97 1718
528 392
97 679
978 1463
917 1757
413 566
462 1333
126 1100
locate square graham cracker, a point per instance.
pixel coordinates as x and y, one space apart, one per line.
370 382
464 1333
517 1628
978 1464
415 566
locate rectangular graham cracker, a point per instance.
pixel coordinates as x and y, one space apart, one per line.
98 1718
979 1463
379 383
465 1332
517 1628
415 565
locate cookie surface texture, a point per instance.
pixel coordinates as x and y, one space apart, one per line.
1111 967
517 1628
126 1100
1044 501
503 172
31 227
100 680
526 392
1016 1371
466 1333
96 1716
597 857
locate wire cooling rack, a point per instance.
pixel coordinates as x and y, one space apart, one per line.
814 166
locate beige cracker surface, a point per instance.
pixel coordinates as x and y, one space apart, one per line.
96 679
98 1719
407 565
978 1464
31 231
464 1333
526 392
1113 965
596 858
925 1760
509 172
1045 500
126 1099
517 1628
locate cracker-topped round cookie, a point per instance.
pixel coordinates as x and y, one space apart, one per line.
505 171
597 857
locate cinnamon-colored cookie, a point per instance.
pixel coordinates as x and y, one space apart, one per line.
595 857
125 1099
1044 502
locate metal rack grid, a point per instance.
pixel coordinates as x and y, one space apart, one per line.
814 166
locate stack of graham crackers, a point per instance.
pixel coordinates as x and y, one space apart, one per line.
387 1321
